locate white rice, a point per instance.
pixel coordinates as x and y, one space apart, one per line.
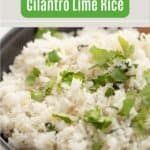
23 120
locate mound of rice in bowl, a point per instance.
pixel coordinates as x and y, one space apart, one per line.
89 92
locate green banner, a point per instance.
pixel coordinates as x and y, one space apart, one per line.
75 8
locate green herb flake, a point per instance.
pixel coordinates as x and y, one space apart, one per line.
96 146
145 94
34 74
37 95
101 56
67 76
147 75
109 92
48 87
118 75
63 117
100 80
92 115
40 32
59 88
54 32
40 94
138 122
52 57
126 47
79 75
127 104
95 118
50 127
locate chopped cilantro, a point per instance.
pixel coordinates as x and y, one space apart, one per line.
96 146
126 47
79 75
50 127
101 80
67 76
34 74
147 75
104 58
135 65
63 117
54 32
52 57
109 92
138 122
145 94
40 32
127 104
48 87
118 75
92 115
59 88
37 95
101 56
41 93
95 118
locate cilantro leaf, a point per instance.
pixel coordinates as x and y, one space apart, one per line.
92 115
103 123
67 76
96 146
127 48
109 92
118 75
37 95
95 118
34 74
147 75
138 122
128 103
104 58
79 75
145 94
48 87
101 80
101 56
54 32
52 57
40 32
40 94
63 117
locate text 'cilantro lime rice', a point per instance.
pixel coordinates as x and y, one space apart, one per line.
90 92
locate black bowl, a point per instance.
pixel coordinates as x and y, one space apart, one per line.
12 44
